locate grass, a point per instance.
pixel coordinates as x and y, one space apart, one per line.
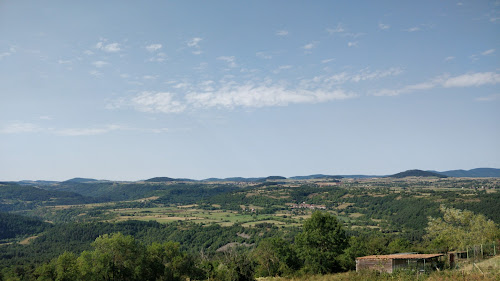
489 266
446 275
191 213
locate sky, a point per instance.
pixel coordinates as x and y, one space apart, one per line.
129 90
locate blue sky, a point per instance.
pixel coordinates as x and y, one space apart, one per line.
129 90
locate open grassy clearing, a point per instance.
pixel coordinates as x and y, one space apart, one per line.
190 213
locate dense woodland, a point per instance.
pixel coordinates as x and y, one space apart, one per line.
173 230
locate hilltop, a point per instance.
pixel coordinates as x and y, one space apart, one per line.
473 173
417 173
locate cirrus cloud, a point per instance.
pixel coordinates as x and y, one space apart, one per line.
445 81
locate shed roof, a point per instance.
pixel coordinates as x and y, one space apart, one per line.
398 257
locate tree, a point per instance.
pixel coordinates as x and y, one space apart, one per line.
66 268
116 257
275 256
168 261
321 242
459 229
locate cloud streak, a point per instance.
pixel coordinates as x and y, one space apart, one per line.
24 127
109 48
20 127
461 81
229 59
153 47
489 98
230 94
382 26
282 33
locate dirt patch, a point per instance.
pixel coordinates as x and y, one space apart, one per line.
343 206
243 235
188 206
355 215
229 246
146 199
28 240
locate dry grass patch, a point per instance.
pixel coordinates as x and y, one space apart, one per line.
343 206
28 240
355 215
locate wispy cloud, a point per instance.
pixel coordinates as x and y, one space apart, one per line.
228 93
475 57
361 76
413 29
229 59
99 63
163 102
342 31
382 26
110 48
281 68
489 98
282 33
153 47
8 53
251 95
5 54
263 55
472 79
450 58
232 95
445 81
87 131
338 29
309 46
160 57
149 77
95 73
181 85
201 66
488 52
327 60
20 127
352 44
64 61
194 43
23 128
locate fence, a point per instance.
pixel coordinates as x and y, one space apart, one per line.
473 254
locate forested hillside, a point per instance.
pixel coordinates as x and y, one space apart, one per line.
231 230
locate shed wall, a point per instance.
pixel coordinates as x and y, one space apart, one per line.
382 265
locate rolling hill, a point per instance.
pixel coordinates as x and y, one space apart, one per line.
417 173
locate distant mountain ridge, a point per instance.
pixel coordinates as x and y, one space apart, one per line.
165 179
80 180
417 173
316 176
473 173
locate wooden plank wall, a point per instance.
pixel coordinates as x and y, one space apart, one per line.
382 265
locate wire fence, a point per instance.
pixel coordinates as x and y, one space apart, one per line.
473 254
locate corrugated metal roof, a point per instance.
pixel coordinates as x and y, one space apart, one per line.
398 256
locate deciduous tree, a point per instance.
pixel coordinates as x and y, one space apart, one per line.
321 242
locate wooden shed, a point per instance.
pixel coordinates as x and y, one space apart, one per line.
390 263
